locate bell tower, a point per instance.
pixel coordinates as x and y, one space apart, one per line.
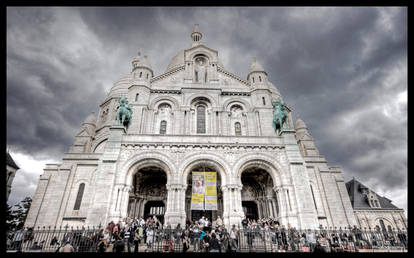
196 36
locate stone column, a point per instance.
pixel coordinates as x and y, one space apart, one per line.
275 211
136 208
175 212
245 118
283 209
269 205
124 207
233 211
228 123
217 116
192 121
259 212
259 130
142 208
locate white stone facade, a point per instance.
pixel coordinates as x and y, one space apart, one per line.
235 135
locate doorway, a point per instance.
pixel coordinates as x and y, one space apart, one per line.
155 208
197 214
250 210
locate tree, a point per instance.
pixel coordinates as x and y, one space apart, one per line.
16 215
10 225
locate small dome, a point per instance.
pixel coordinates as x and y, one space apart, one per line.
140 61
90 119
300 124
256 67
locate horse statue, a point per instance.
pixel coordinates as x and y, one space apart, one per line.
124 113
279 115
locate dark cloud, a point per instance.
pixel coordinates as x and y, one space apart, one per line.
342 70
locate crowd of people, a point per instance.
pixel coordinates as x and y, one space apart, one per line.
203 235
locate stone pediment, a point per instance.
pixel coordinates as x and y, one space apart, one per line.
172 78
230 80
201 49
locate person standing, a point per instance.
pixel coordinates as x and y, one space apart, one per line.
196 238
150 238
138 233
185 237
234 236
219 221
311 239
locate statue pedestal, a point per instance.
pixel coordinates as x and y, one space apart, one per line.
113 145
288 134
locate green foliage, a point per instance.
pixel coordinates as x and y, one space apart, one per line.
16 215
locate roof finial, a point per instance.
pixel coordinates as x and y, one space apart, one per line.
196 35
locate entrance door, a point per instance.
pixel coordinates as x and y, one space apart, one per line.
197 214
155 208
250 209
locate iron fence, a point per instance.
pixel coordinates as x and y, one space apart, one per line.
247 240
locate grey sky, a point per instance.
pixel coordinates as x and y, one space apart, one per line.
343 70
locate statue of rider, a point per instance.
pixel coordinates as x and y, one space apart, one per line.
279 115
124 112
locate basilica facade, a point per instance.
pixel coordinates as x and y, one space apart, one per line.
196 116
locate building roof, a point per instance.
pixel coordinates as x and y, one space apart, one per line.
359 200
10 161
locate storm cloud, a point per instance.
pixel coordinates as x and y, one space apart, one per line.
342 70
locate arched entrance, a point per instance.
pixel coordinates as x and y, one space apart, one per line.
195 215
149 193
258 198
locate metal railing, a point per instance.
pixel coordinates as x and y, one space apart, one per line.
248 240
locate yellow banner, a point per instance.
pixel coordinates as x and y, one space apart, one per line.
210 177
211 190
197 198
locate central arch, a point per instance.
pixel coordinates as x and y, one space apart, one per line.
198 164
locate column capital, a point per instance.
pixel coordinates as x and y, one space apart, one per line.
178 187
231 187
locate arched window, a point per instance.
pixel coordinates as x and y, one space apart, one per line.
382 225
140 74
260 78
147 76
163 127
313 196
136 97
253 79
79 196
264 101
201 119
237 129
